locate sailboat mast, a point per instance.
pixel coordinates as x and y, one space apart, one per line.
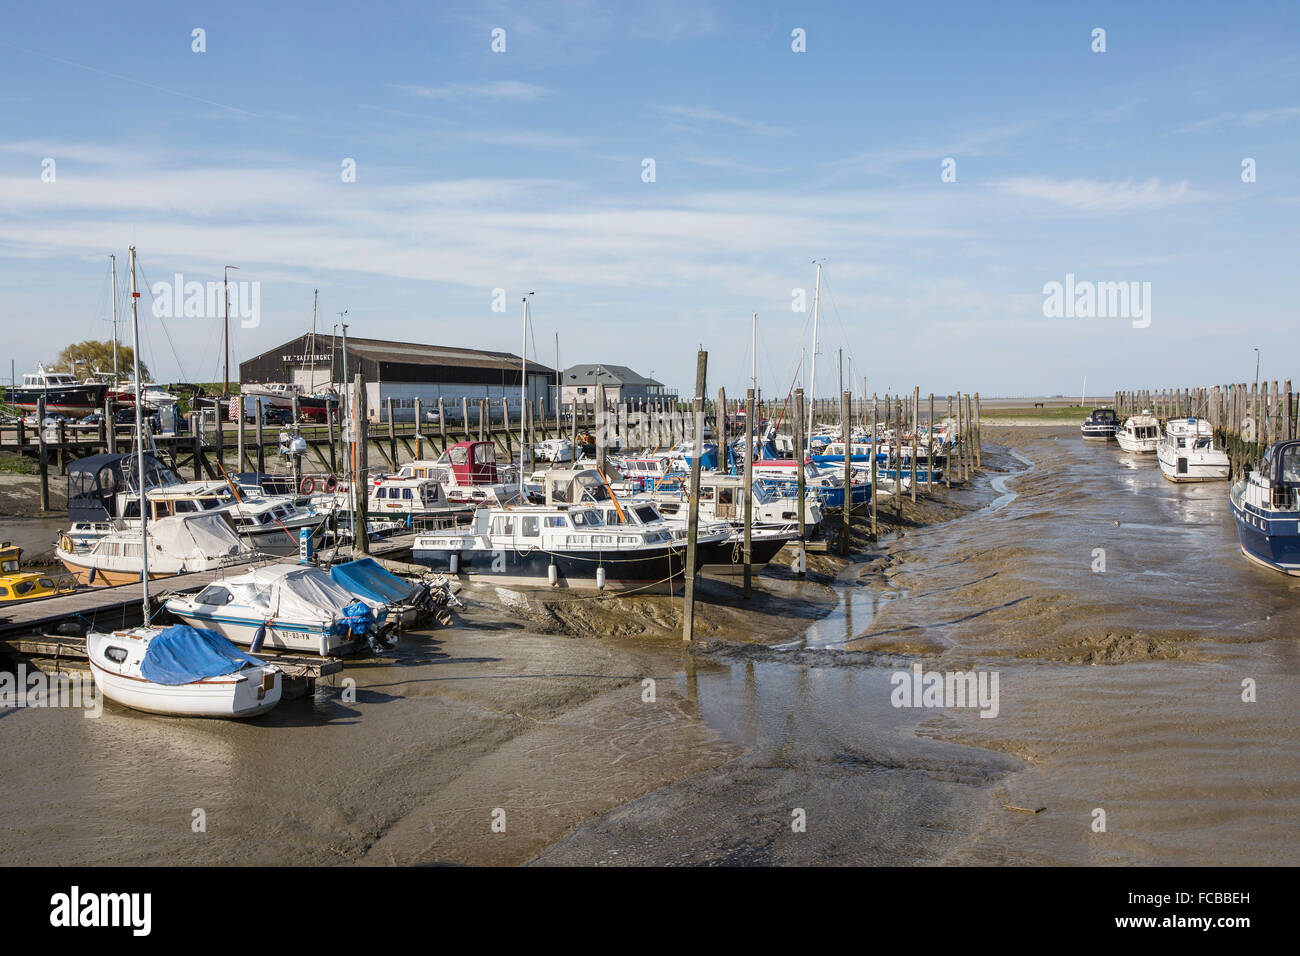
225 291
812 369
753 353
557 379
139 441
523 395
113 259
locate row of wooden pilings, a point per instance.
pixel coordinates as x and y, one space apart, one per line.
1246 417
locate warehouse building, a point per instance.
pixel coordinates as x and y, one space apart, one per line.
404 371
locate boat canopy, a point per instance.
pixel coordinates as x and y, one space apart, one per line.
196 536
184 654
94 482
1281 463
290 592
368 579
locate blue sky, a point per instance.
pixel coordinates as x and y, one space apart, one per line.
522 171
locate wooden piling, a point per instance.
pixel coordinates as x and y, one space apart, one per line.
693 511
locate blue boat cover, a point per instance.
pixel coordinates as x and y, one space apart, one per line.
367 578
184 654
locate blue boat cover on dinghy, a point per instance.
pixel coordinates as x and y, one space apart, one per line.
368 579
184 654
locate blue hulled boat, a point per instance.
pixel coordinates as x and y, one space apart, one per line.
1266 507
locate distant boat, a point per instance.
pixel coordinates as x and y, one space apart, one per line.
1266 507
1100 425
179 544
63 394
1187 452
1139 433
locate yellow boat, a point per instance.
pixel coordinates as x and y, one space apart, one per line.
18 585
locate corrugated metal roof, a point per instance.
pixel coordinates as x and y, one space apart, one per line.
383 350
609 375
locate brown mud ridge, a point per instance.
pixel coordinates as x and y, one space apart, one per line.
20 495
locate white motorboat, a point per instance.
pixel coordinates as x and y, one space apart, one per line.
1187 452
181 671
174 545
1100 425
286 607
554 449
1139 433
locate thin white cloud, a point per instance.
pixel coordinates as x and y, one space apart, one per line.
497 90
724 162
1280 114
713 117
1091 195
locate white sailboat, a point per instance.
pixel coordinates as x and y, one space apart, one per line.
181 671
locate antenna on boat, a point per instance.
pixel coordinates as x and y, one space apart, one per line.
113 260
139 440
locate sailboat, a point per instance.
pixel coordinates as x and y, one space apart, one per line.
181 671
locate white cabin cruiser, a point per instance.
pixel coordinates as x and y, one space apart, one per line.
178 544
1187 452
1139 433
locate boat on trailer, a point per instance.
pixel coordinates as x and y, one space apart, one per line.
1187 452
1266 506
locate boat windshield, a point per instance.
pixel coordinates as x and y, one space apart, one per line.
583 519
1291 464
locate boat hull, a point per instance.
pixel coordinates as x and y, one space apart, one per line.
222 697
70 400
652 569
727 558
279 635
1273 542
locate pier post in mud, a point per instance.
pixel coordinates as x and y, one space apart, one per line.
419 420
602 424
875 476
43 465
442 422
360 444
929 454
801 554
110 428
978 436
330 412
239 435
970 433
573 430
693 511
258 419
952 447
750 424
392 433
720 421
846 436
916 437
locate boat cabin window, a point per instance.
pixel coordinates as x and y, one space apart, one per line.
381 493
115 654
9 566
184 505
726 496
583 519
214 594
1291 464
505 524
46 583
4 591
459 456
646 513
556 521
528 526
406 494
24 587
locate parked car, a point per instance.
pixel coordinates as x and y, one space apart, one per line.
277 416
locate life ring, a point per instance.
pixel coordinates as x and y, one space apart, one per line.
331 484
307 485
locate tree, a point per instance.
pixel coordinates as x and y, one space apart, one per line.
91 356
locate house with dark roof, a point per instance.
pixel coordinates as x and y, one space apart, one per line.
579 382
405 371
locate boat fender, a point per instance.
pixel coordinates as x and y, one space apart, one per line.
259 637
553 574
453 564
600 578
90 578
307 485
331 484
